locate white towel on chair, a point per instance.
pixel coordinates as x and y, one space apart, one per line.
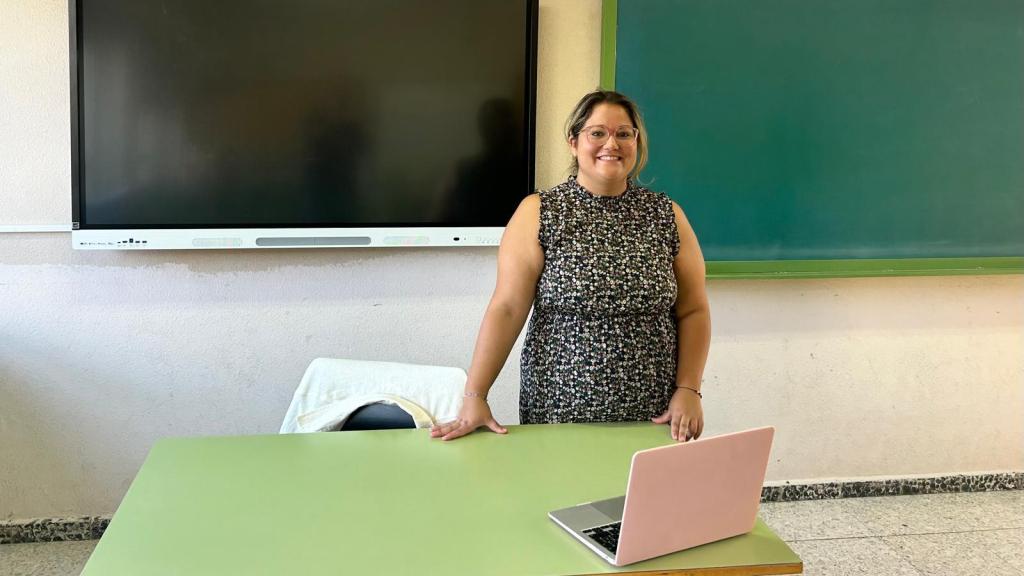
332 389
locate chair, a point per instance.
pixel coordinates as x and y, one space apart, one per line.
338 394
378 416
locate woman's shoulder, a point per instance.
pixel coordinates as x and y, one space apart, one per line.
560 198
556 191
654 198
646 192
530 203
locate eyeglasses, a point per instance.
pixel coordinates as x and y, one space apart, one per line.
599 134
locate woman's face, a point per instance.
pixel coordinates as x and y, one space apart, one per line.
608 163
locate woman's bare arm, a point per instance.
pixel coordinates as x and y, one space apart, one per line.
685 414
520 261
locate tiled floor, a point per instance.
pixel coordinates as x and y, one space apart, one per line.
44 559
935 535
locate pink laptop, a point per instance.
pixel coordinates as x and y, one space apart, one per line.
678 497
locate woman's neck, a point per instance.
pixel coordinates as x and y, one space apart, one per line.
601 187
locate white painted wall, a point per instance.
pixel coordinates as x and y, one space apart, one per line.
102 353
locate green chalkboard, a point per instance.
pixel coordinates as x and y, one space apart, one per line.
823 130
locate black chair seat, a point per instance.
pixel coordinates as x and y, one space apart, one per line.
378 417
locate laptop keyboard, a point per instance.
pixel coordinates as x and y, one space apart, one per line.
607 535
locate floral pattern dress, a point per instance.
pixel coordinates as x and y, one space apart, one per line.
601 343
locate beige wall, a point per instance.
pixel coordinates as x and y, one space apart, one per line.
102 353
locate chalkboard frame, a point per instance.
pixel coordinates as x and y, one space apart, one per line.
840 268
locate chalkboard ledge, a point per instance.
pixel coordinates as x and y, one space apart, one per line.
864 268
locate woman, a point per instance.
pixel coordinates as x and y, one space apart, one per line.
621 325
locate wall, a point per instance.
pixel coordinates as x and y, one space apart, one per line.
102 353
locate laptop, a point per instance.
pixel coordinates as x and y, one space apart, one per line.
678 497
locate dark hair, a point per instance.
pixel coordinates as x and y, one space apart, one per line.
585 107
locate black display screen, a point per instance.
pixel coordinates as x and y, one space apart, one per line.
254 113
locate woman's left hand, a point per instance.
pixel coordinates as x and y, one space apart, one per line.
684 415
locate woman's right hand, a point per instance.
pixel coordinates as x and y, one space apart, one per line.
474 413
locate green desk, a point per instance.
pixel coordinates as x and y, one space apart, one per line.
392 502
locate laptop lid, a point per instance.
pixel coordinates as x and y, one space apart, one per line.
684 495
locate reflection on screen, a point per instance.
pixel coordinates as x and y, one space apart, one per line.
305 112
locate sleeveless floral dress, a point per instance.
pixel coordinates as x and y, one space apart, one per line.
601 343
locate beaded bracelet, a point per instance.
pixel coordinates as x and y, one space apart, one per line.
475 395
694 390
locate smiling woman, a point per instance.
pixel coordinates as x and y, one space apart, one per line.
600 162
613 271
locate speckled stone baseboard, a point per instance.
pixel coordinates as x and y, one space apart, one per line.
92 527
53 529
894 487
